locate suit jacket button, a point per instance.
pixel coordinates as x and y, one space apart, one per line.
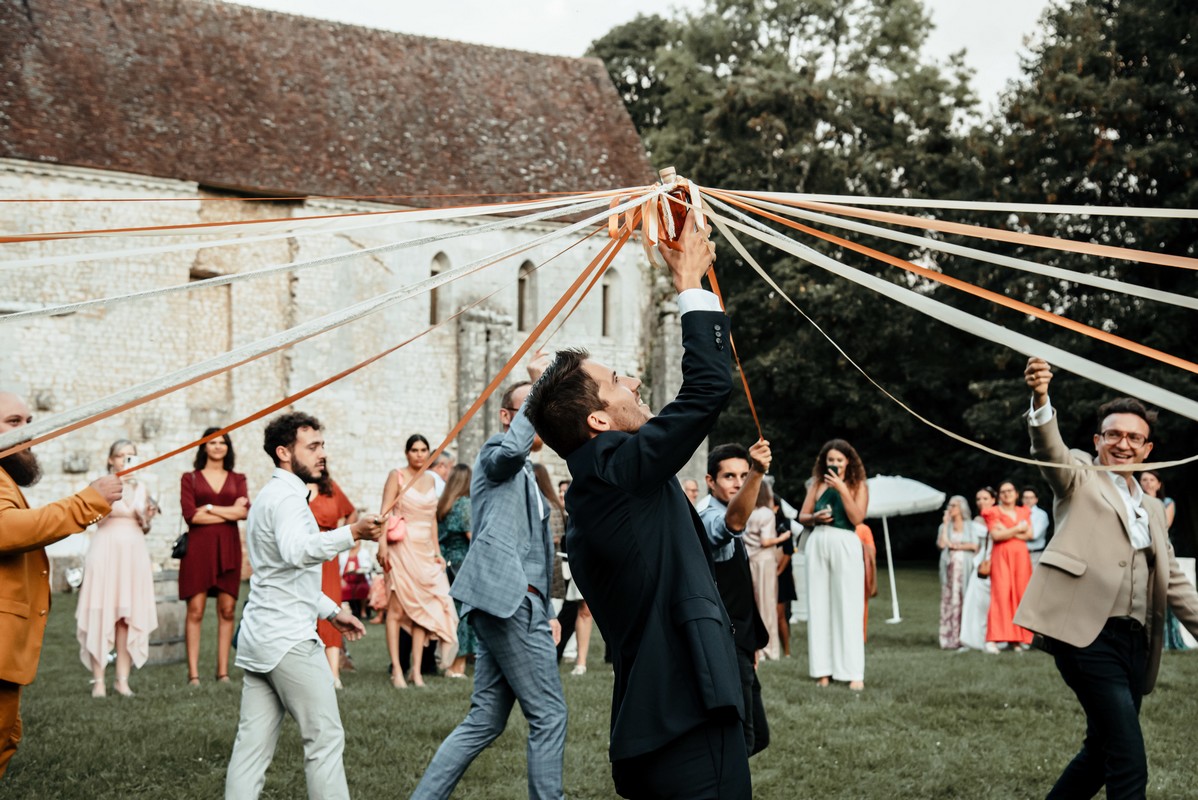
718 328
730 627
1123 563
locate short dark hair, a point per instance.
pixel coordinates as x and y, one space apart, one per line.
561 401
202 453
1031 489
718 455
281 431
506 401
1125 405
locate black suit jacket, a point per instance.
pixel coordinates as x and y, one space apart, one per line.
640 557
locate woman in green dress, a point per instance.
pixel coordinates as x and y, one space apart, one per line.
1153 486
453 532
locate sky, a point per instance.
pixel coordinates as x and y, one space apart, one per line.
991 33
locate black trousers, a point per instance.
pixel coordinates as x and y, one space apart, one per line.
705 763
567 618
1108 679
757 729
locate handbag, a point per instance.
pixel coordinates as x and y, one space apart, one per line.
397 528
179 549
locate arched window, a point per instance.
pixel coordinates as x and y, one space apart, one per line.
609 301
440 264
526 297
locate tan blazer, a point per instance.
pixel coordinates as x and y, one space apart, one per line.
1073 589
25 569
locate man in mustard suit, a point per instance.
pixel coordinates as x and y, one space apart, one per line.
1097 599
25 569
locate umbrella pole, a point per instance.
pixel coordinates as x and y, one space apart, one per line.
890 569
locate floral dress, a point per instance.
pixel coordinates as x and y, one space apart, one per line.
451 532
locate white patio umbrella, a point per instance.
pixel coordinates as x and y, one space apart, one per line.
894 496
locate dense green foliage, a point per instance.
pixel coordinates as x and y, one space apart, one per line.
838 97
929 725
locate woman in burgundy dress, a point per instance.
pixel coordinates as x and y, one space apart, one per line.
214 498
332 509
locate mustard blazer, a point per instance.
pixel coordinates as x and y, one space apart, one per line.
1073 589
25 569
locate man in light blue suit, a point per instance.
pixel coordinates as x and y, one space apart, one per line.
504 588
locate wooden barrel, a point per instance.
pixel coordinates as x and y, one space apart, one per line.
166 642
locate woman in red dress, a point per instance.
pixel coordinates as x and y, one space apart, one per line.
214 498
332 509
1010 527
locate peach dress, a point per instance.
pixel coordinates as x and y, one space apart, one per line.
418 581
118 583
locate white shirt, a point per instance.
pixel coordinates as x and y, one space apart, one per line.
1133 498
286 549
697 300
1039 529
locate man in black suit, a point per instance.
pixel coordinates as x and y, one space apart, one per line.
640 556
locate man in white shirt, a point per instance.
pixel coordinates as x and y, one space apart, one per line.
440 470
1035 545
284 661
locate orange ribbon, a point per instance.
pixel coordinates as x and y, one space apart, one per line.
994 297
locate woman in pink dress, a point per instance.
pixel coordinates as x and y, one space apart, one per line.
417 587
1010 527
214 498
761 543
116 602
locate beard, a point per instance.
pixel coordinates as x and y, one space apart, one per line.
306 474
22 467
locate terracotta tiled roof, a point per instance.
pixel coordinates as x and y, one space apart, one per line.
255 100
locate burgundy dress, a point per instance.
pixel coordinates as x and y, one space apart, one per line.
213 560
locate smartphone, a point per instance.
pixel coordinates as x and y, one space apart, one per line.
130 461
834 469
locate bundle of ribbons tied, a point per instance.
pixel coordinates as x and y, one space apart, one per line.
652 214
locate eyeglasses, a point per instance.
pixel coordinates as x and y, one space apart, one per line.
1112 438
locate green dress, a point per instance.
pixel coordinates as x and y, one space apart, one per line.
830 499
1173 640
451 533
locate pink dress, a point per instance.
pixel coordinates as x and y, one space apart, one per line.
416 579
118 583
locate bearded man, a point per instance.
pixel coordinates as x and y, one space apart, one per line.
24 567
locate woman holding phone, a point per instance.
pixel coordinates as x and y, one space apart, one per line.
835 504
116 602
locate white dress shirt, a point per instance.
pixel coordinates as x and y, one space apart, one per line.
286 549
697 300
1133 498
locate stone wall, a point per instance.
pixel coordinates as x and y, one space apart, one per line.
61 362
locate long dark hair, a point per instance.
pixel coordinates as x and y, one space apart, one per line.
456 485
854 473
202 453
545 484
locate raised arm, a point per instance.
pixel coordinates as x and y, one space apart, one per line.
24 529
502 460
1047 444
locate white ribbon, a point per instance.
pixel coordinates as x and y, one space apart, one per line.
253 350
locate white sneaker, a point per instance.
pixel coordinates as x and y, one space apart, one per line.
991 648
579 669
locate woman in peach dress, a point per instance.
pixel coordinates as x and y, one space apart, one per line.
116 602
417 587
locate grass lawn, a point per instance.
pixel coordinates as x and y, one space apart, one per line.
929 725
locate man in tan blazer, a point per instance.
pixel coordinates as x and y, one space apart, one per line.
1097 599
25 569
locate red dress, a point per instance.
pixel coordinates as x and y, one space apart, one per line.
329 510
213 560
1010 570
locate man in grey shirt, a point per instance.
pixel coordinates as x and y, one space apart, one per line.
1035 545
285 665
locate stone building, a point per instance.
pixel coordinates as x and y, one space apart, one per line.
136 113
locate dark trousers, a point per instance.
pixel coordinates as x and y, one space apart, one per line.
1108 679
567 617
757 730
10 722
706 763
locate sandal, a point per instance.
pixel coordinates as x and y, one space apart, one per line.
193 680
222 678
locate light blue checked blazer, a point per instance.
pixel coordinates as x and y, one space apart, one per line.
509 533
